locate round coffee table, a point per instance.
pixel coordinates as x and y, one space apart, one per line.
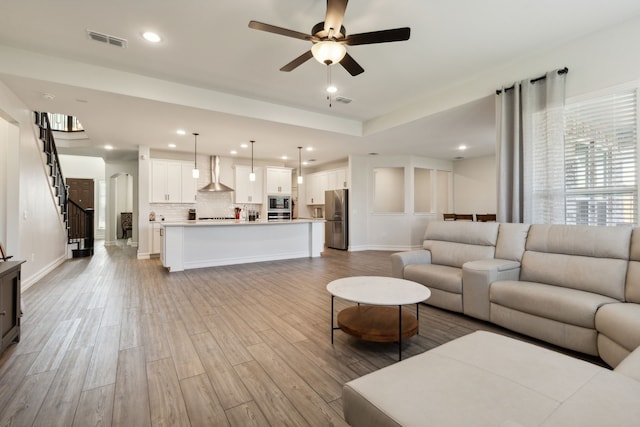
377 320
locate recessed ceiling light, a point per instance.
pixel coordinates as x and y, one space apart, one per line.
462 147
332 89
152 37
284 157
309 148
181 132
305 163
172 145
108 147
244 145
234 152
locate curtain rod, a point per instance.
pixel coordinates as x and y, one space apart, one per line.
564 70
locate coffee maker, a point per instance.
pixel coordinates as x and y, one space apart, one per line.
192 214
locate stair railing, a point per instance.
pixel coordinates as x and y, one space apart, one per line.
80 229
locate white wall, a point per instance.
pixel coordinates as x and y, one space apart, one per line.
474 185
35 231
86 168
386 231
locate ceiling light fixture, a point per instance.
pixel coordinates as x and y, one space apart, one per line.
108 147
300 165
252 175
195 172
152 37
172 145
328 52
181 132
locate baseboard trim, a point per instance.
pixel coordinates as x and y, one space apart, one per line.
26 283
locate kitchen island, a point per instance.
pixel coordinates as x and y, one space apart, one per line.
209 243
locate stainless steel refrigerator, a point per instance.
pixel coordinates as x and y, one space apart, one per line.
336 229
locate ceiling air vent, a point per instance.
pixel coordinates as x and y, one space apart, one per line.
105 38
343 99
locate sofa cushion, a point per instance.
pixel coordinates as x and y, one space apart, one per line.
604 276
456 254
511 241
435 276
621 323
632 288
597 242
479 379
552 302
472 233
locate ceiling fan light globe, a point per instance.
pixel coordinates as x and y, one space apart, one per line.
328 52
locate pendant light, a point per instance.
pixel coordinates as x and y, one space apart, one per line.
195 172
252 175
300 165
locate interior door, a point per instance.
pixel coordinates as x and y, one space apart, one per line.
81 191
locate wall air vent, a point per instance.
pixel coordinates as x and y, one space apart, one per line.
343 99
105 38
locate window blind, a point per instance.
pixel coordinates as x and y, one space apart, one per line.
601 161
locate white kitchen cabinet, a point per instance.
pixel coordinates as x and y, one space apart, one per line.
317 184
338 179
169 182
248 191
156 238
189 184
278 180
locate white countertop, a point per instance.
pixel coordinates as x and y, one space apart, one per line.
217 222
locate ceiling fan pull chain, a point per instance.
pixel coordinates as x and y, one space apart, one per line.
329 94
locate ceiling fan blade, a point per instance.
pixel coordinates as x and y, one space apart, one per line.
297 62
279 30
382 36
335 15
351 65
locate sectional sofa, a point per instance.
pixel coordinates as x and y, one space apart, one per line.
577 287
574 286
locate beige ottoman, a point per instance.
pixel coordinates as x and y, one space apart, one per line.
485 379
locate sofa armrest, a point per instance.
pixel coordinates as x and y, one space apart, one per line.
630 365
400 260
477 277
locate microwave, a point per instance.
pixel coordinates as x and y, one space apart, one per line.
279 203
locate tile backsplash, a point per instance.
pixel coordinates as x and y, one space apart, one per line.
208 205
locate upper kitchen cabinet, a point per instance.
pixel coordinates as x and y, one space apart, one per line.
189 184
247 191
337 179
278 180
317 184
171 182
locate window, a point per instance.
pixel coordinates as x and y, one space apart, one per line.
601 161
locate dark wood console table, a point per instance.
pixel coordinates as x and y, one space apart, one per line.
9 303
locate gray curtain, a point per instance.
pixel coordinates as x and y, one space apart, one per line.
529 150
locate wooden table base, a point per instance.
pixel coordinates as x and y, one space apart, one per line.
377 323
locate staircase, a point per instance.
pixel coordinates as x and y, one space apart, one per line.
78 221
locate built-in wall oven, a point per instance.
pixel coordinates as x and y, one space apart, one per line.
278 208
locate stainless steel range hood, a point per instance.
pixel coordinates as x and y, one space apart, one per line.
215 184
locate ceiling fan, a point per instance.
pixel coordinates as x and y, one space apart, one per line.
330 37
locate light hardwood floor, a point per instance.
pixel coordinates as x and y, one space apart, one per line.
112 340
